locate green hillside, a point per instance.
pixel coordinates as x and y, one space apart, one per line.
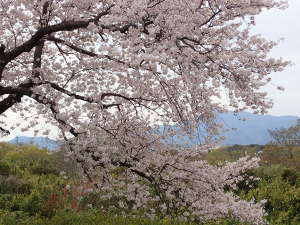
38 187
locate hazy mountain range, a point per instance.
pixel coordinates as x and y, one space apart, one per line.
41 142
254 130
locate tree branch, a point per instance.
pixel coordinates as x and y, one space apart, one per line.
81 50
9 102
2 130
27 46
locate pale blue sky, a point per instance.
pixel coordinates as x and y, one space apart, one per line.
275 24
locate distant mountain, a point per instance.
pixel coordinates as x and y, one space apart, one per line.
41 142
254 130
242 129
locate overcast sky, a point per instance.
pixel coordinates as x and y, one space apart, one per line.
275 24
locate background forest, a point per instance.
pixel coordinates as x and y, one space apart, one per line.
38 186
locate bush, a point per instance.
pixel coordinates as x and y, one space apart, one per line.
290 176
13 185
282 200
44 167
19 218
5 201
4 169
32 204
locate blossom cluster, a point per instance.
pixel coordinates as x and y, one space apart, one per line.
166 181
119 70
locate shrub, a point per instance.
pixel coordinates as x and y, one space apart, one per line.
4 169
289 175
13 184
282 200
44 167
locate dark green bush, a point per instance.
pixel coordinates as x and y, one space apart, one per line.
13 185
44 167
282 200
290 176
4 169
6 201
32 204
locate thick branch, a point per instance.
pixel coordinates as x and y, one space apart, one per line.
53 107
139 173
2 130
74 47
44 31
16 95
9 102
79 97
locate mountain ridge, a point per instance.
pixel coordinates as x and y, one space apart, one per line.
254 130
41 142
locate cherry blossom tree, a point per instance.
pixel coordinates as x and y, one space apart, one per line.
110 73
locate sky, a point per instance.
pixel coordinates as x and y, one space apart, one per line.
272 24
275 24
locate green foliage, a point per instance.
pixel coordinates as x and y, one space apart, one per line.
44 166
291 176
32 191
32 204
5 147
286 156
93 217
232 153
26 153
19 218
13 184
69 166
279 179
28 177
280 188
6 201
4 169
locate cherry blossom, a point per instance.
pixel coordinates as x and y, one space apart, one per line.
112 75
